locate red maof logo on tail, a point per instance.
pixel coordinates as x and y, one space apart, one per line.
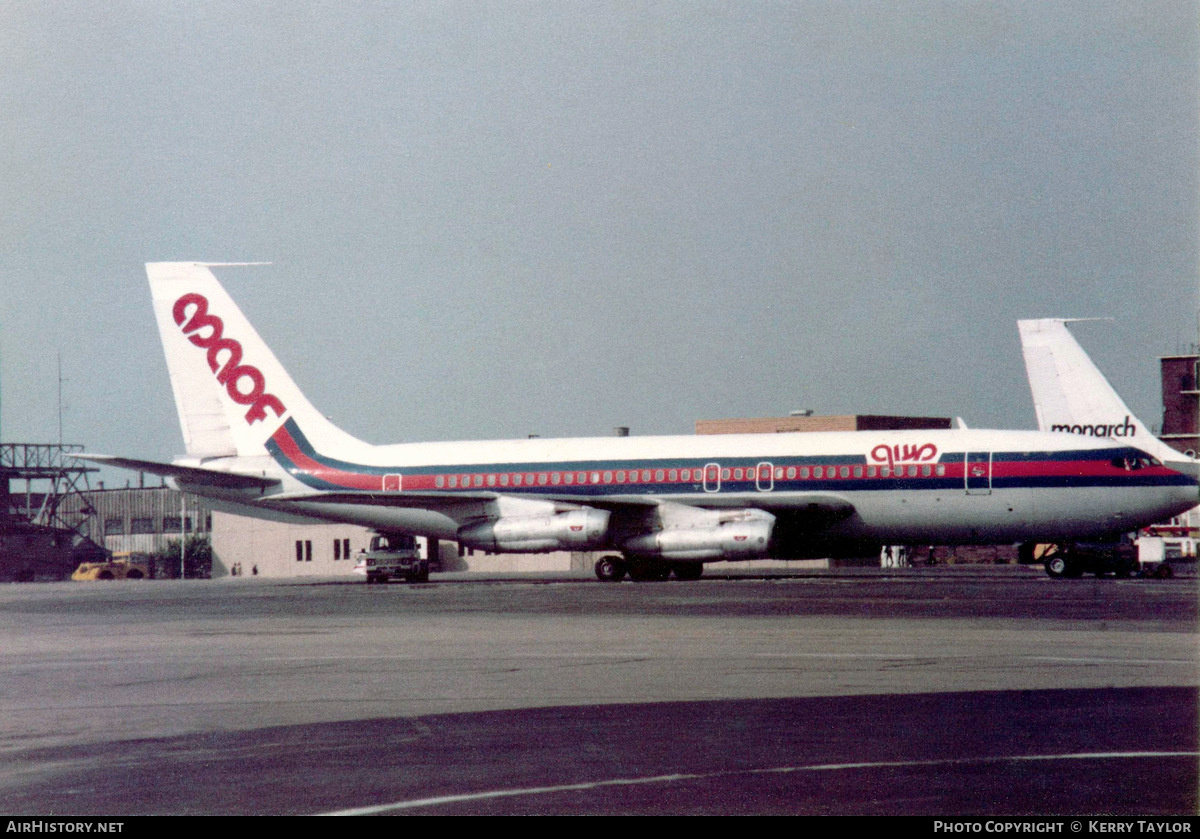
232 372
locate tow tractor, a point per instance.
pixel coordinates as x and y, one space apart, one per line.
393 555
1079 558
1151 554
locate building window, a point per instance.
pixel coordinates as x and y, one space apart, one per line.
114 527
171 524
337 549
304 550
142 525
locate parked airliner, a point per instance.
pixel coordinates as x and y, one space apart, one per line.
660 505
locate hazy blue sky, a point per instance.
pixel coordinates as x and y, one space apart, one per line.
492 219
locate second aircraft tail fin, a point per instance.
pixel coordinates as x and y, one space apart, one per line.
1071 394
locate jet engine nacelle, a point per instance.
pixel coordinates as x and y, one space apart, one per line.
574 530
746 537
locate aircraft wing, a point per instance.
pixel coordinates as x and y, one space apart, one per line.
406 500
823 504
188 474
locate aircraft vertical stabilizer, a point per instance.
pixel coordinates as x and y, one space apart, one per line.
230 390
1070 394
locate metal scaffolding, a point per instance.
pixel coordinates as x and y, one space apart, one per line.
54 466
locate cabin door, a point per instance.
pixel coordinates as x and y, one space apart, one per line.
979 473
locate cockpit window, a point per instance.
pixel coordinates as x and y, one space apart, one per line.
1132 462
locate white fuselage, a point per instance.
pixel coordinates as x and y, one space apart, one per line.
936 487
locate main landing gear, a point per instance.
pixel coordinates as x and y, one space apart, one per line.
612 569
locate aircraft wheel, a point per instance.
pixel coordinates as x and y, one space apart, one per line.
1164 572
610 569
1056 566
689 570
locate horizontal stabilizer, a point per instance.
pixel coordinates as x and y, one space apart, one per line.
188 474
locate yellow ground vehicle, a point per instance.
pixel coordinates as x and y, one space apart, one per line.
123 566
